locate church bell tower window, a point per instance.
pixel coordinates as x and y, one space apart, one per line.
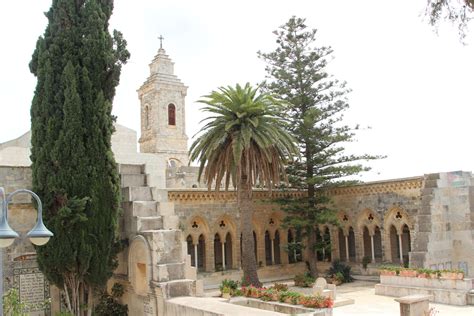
171 114
147 117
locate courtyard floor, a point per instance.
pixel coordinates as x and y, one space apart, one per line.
369 304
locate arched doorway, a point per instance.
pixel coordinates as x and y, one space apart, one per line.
327 245
377 244
291 251
319 245
228 251
218 255
406 244
352 245
201 253
268 249
189 242
342 245
394 245
367 243
276 247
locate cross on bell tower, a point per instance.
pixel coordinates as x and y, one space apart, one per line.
161 38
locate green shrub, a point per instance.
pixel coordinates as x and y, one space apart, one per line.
280 287
304 280
231 284
109 304
365 261
339 267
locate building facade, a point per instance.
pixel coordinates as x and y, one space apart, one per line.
182 236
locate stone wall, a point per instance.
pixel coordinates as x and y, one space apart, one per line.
446 222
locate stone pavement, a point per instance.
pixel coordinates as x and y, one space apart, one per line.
369 304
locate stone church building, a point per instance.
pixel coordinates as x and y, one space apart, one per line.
183 238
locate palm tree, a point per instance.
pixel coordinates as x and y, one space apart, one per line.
243 143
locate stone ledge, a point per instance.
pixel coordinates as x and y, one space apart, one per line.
415 298
444 296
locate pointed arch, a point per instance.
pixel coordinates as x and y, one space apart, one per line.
171 114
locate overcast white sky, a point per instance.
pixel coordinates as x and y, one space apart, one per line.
412 87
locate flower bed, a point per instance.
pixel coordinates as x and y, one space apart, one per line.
290 297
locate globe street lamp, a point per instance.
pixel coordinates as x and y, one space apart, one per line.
39 235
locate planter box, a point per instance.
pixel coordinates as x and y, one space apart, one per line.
280 307
446 291
388 272
408 273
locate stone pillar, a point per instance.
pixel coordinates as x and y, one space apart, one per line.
196 256
414 305
372 247
210 264
346 238
223 255
273 252
401 248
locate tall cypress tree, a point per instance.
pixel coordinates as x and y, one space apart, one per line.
77 63
316 102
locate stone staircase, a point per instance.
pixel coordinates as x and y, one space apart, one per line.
152 217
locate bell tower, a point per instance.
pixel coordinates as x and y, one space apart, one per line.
162 108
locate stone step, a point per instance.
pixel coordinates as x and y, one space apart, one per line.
169 246
149 223
176 288
130 169
170 271
130 194
140 208
132 180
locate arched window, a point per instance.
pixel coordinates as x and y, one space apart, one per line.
171 114
147 117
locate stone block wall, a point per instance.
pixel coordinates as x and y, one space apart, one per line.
449 222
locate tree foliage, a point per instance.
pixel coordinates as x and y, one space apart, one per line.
77 64
458 12
296 71
243 143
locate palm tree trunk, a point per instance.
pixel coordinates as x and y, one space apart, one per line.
245 206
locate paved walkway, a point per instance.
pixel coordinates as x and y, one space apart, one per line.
369 304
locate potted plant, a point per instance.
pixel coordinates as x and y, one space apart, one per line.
225 292
407 272
389 270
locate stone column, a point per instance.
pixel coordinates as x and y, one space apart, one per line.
401 248
210 262
273 252
223 255
347 247
372 247
196 256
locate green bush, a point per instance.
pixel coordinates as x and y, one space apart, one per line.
304 280
365 261
109 304
231 284
339 267
280 287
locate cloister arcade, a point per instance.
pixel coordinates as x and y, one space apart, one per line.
217 246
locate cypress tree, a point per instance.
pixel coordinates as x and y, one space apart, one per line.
296 72
77 63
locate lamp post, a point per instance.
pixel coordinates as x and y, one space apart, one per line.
39 235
